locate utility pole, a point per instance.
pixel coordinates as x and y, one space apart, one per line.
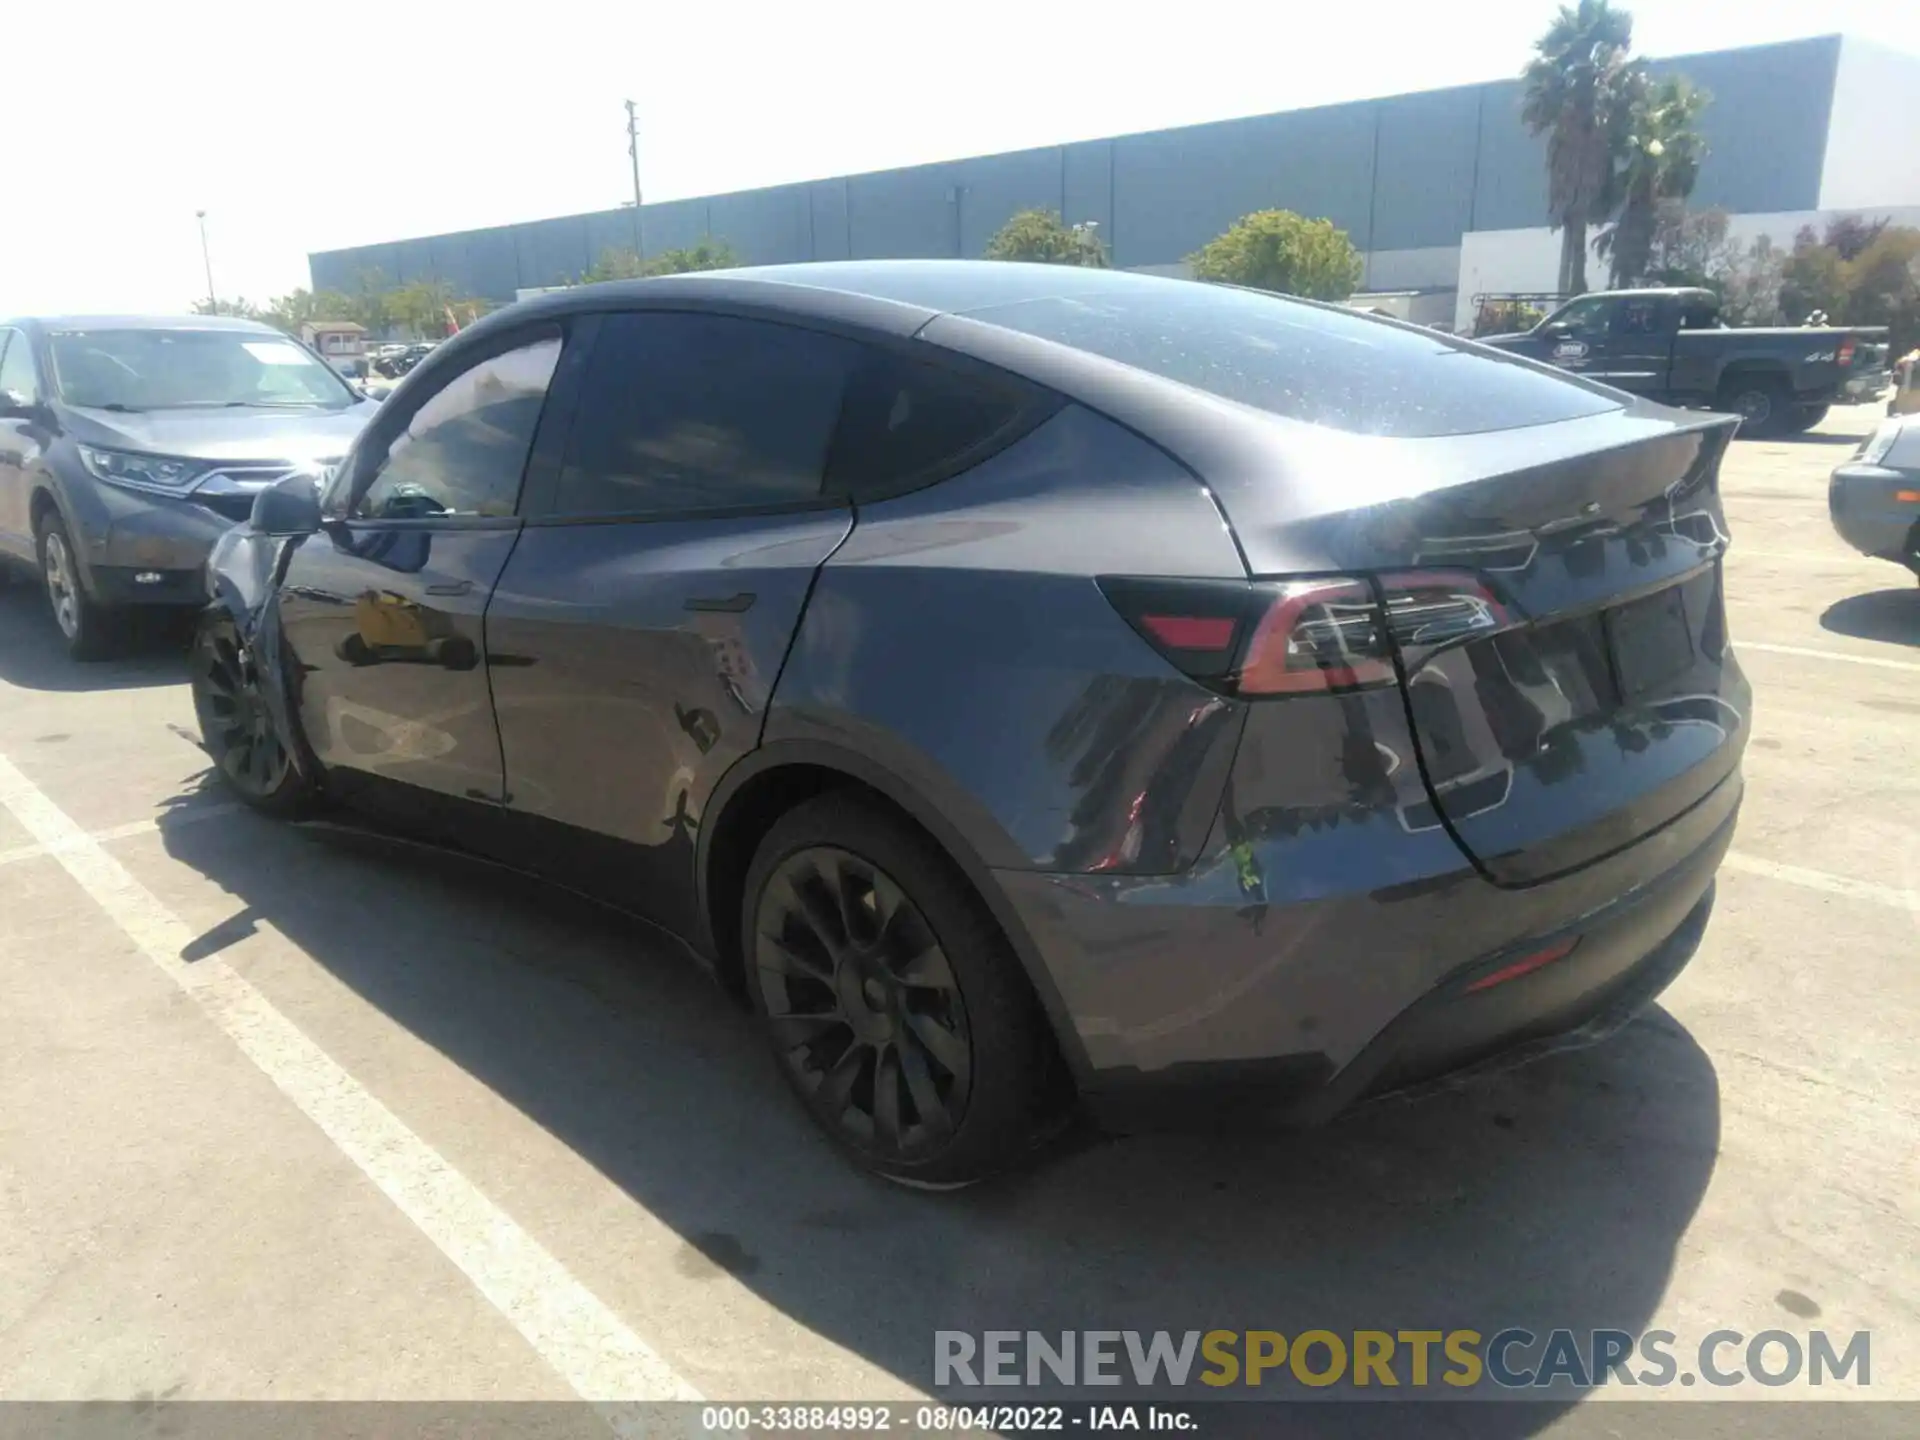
633 153
206 259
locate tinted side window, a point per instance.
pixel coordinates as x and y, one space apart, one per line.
1584 315
683 412
1637 317
16 365
906 423
465 449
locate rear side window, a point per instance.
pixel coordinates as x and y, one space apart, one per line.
907 423
1321 365
683 412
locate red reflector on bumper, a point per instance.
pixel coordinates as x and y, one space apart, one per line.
1190 632
1526 965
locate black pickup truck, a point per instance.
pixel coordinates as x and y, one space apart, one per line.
1671 345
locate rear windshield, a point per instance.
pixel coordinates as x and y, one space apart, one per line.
1325 366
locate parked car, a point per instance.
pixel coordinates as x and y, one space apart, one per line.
127 444
1671 345
1021 682
1873 498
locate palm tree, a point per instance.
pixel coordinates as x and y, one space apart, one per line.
1574 84
1660 160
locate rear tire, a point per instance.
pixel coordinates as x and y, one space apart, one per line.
1763 403
1804 417
893 1005
88 629
237 728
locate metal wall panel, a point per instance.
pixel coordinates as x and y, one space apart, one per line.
1090 185
1174 190
1407 174
832 240
764 227
994 188
1423 168
909 214
1766 130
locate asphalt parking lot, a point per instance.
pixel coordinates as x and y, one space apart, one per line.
292 1113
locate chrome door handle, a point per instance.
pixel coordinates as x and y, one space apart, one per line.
452 587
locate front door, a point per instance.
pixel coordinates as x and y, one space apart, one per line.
643 618
384 608
1633 352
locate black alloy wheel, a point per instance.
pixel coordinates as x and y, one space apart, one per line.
236 723
864 1008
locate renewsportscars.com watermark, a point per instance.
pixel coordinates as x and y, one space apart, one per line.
1511 1359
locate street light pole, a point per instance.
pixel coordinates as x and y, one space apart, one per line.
206 259
633 152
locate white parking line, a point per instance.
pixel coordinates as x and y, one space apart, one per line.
190 816
1846 885
570 1328
1800 557
1873 660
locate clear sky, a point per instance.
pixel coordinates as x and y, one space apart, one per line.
304 127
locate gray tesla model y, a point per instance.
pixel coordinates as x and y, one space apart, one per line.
1027 685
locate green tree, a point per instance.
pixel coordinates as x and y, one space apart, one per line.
1043 237
1578 86
709 254
1812 278
419 307
1689 247
238 308
1750 283
301 307
1883 285
1660 154
615 264
1284 252
621 264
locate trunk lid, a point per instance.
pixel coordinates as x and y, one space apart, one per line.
1601 699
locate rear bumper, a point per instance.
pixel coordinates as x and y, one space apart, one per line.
1884 531
1326 1003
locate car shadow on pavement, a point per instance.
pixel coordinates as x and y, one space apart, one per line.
153 651
1554 1195
1889 615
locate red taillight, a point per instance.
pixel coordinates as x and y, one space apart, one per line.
1844 355
1318 635
1296 637
1526 965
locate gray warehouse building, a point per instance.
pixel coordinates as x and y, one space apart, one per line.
1444 191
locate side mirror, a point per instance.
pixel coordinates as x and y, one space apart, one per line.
1556 329
15 406
289 507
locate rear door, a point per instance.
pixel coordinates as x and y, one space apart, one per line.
638 629
383 608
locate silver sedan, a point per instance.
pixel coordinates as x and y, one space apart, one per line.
1874 498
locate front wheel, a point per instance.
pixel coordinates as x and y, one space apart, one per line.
87 628
236 724
894 1005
